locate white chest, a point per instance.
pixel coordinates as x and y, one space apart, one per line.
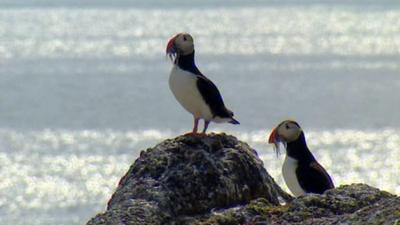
184 87
289 175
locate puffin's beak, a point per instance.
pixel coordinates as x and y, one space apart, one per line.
171 48
273 137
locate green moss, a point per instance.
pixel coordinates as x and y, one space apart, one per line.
278 210
263 207
304 215
386 194
226 218
397 214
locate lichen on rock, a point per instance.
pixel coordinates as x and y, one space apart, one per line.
356 204
190 176
218 180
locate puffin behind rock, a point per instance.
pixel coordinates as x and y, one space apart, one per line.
195 92
301 171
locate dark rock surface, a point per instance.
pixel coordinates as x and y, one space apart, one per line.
356 204
218 180
189 176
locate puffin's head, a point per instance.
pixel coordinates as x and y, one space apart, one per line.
180 44
286 132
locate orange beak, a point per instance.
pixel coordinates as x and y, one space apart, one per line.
171 46
273 136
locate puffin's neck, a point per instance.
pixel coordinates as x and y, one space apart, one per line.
298 150
186 62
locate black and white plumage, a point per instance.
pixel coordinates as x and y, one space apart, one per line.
195 92
301 171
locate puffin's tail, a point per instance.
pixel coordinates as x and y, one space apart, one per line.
233 121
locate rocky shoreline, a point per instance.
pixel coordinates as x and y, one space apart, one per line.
220 180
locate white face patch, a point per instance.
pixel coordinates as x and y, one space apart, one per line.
288 131
184 43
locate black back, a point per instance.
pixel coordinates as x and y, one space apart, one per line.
212 97
312 177
207 88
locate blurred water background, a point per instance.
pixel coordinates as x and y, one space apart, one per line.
84 88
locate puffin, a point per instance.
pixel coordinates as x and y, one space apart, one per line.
301 171
194 91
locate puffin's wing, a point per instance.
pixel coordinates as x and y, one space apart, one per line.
313 178
212 97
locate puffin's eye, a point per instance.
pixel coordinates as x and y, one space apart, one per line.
287 127
184 38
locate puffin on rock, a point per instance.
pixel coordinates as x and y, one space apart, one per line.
195 92
301 171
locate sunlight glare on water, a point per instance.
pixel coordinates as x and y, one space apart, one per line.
83 90
294 30
81 169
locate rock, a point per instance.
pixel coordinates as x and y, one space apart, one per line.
218 180
188 177
348 205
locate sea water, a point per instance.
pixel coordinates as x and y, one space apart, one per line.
84 88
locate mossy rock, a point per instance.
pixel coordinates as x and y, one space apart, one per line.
191 175
218 180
